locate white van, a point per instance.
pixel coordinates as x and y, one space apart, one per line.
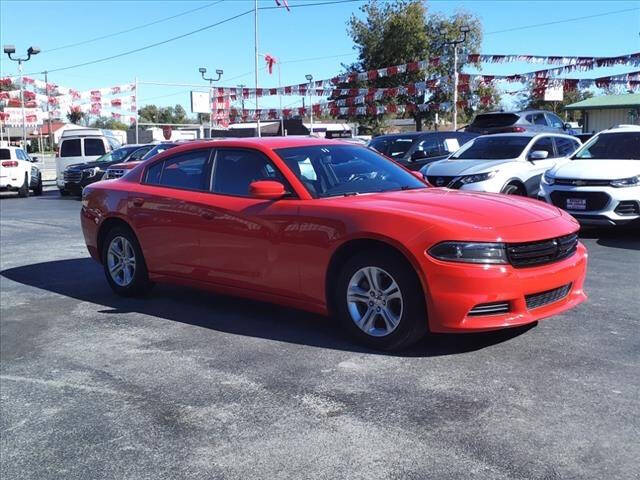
81 146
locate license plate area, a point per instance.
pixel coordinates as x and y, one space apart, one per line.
576 203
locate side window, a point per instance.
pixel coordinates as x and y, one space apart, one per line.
113 144
539 119
555 121
545 145
189 171
5 154
138 154
565 146
71 148
93 146
236 169
20 154
431 147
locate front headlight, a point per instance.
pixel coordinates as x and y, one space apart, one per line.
626 182
548 179
478 177
470 252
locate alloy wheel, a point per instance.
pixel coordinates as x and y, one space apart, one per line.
121 261
374 301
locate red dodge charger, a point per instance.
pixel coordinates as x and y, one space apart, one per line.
334 228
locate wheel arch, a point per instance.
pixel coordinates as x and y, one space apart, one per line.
356 245
108 224
515 181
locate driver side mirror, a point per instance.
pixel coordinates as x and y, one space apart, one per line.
418 175
567 126
538 155
34 159
418 155
267 190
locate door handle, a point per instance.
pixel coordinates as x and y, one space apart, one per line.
207 215
138 202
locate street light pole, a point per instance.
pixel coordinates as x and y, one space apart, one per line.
219 72
309 79
10 50
464 29
255 35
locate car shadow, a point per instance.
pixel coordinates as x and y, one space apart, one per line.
83 279
626 237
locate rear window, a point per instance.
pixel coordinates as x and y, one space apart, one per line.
71 148
393 147
94 146
5 154
495 120
493 148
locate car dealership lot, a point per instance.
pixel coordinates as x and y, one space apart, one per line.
185 384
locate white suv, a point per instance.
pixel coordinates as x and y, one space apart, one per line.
17 171
600 185
511 163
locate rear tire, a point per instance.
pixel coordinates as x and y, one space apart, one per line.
513 189
23 191
124 264
379 300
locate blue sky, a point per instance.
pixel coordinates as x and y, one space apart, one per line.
307 40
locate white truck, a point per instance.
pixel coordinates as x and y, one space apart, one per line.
17 172
81 146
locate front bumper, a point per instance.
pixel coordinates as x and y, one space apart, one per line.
453 290
608 214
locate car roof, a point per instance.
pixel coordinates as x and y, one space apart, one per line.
528 134
418 134
621 129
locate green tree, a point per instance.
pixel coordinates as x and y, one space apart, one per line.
75 116
154 114
401 31
109 124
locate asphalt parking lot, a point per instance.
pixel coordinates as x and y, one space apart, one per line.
185 384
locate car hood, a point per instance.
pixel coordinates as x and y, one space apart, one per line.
453 167
84 166
597 169
476 210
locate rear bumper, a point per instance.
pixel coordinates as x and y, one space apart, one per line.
454 289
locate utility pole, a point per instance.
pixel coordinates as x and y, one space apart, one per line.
10 50
309 79
464 30
46 83
255 32
219 72
242 85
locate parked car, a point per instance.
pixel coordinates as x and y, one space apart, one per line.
314 224
510 163
17 172
522 121
416 149
81 146
78 176
119 169
600 184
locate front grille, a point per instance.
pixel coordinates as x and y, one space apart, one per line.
628 207
579 182
593 200
439 180
532 254
495 308
114 173
541 299
73 176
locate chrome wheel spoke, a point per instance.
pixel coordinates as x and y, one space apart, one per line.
357 294
390 321
121 261
367 319
371 274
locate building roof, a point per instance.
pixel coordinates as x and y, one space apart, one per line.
55 126
631 100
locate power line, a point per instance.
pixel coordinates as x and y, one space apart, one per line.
563 21
84 42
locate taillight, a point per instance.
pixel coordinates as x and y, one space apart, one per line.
518 129
10 164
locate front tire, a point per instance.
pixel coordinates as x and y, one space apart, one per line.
378 299
124 264
37 190
23 191
513 189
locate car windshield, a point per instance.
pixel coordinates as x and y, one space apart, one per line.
393 146
161 147
115 155
495 147
611 146
332 170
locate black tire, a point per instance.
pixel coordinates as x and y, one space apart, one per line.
412 324
513 189
37 190
140 284
63 193
23 191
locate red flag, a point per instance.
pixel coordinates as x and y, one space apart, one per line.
283 3
270 62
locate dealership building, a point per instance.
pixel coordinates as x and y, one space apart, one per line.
600 113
